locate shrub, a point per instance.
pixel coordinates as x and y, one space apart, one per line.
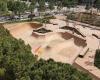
97 58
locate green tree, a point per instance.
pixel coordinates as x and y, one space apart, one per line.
70 3
97 5
97 58
20 7
41 5
10 5
50 70
15 57
2 73
17 7
51 5
3 7
31 8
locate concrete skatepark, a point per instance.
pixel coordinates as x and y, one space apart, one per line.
60 45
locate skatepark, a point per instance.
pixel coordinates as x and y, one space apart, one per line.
61 45
58 45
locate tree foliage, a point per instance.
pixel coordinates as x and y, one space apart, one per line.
50 70
97 4
97 58
42 6
31 8
16 7
70 3
15 57
3 6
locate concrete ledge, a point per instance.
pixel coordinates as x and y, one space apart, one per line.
83 52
